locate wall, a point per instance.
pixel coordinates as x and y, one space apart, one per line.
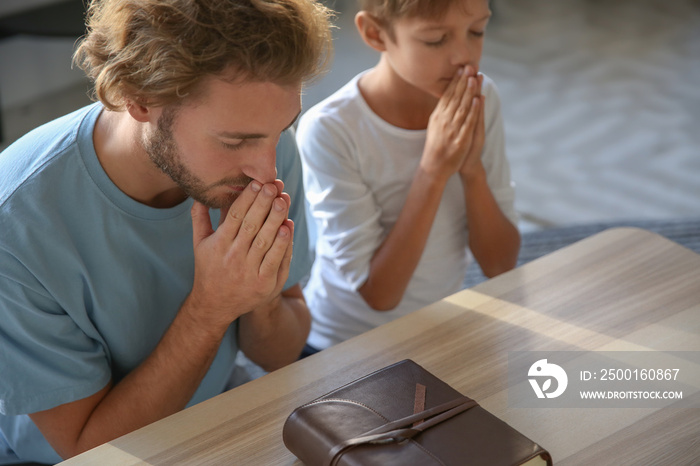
31 67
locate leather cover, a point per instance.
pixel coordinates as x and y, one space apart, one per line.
403 415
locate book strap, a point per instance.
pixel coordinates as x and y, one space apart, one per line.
398 431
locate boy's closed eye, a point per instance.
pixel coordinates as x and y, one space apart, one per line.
443 39
436 42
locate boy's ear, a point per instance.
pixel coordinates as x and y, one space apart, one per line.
370 30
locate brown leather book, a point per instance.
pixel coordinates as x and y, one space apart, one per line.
404 415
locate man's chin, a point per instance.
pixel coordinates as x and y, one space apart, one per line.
220 202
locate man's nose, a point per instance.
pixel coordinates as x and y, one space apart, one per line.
262 164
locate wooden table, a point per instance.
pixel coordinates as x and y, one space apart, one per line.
623 289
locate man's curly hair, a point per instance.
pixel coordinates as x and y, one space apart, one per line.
155 52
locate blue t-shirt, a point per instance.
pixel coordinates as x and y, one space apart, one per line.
90 279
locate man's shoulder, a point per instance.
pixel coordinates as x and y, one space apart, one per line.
31 155
51 134
287 158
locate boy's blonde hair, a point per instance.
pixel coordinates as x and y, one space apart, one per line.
157 51
387 11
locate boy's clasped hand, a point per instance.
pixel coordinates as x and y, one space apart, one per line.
455 136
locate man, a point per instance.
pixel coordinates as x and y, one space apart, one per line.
118 307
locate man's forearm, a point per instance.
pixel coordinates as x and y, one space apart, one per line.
162 385
274 337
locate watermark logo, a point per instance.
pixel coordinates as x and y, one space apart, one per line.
543 370
603 379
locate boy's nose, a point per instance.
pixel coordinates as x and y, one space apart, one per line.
462 54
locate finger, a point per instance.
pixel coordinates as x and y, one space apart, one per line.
280 189
265 237
287 198
478 137
467 130
256 217
459 91
287 259
231 223
465 103
480 130
201 223
449 93
275 264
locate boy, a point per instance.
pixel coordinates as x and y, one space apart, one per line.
121 301
405 171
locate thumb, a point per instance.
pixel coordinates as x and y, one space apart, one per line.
201 223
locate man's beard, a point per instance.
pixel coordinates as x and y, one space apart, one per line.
165 154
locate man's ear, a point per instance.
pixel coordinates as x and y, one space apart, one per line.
139 112
371 31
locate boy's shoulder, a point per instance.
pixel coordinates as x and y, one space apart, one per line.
493 101
490 89
343 103
489 86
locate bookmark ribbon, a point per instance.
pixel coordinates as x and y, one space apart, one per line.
399 430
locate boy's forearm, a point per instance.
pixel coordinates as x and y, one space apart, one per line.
396 259
493 239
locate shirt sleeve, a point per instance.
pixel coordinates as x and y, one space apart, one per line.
342 205
494 155
290 172
47 359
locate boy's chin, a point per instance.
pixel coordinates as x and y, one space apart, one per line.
438 91
435 91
